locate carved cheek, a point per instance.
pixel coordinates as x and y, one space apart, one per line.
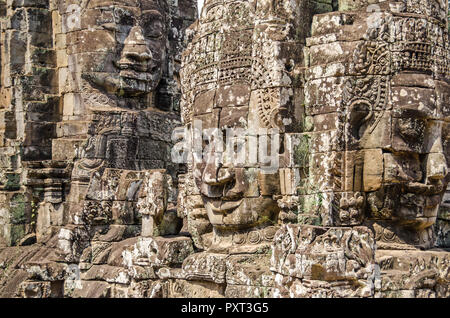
157 48
436 166
204 102
401 168
433 137
446 141
409 135
155 35
373 169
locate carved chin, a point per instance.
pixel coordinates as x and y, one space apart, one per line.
418 217
405 207
124 84
240 214
417 211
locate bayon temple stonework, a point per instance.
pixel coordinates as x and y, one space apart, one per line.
264 148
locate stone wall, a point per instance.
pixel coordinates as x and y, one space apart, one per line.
29 109
92 203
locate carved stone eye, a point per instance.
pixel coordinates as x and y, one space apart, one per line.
123 17
153 28
411 129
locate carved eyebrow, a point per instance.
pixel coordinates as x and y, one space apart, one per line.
413 109
115 6
153 13
103 3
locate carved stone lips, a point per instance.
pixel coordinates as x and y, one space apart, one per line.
138 66
220 206
140 71
420 188
127 73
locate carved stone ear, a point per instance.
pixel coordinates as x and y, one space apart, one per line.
359 114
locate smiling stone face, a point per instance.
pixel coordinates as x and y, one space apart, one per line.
412 153
232 205
117 74
236 84
121 45
384 107
415 170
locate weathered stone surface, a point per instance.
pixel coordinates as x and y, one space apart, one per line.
195 289
151 251
246 83
421 274
74 103
93 289
380 104
249 270
205 267
266 149
325 262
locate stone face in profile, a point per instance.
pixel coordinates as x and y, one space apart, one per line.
373 154
415 115
384 111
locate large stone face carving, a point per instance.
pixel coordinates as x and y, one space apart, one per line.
379 100
89 102
415 158
317 158
86 85
120 47
122 96
373 153
236 88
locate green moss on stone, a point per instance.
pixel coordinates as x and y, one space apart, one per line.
17 208
301 151
12 181
17 233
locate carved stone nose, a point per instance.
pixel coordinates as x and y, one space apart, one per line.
135 47
140 57
436 166
216 175
224 176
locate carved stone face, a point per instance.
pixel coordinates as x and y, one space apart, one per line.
120 45
403 131
233 76
379 138
414 159
235 197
